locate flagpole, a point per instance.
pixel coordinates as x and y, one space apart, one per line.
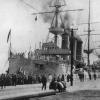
9 40
10 45
9 50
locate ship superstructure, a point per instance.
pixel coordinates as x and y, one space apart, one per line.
51 58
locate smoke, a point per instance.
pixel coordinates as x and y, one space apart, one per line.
67 20
45 6
47 18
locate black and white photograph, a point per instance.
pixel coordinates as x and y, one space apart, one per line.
49 49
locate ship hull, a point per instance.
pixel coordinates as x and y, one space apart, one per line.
36 67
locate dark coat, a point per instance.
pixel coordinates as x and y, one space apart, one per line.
44 80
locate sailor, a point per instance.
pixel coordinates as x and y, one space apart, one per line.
2 80
68 77
44 82
94 75
62 78
89 73
14 79
59 78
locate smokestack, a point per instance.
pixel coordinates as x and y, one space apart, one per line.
65 41
66 25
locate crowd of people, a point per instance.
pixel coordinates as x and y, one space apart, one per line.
18 79
21 79
84 75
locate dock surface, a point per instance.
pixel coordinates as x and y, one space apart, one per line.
33 90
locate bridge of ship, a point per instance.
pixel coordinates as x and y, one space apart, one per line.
55 52
51 48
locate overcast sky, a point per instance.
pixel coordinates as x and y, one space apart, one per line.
15 14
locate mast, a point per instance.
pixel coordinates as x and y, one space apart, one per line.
56 22
55 30
89 51
89 30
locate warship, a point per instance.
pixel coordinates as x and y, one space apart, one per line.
50 58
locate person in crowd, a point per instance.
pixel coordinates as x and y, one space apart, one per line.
68 77
94 75
50 78
65 78
44 82
54 77
39 79
62 78
59 78
30 79
89 73
14 79
2 81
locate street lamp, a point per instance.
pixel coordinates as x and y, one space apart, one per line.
72 52
72 58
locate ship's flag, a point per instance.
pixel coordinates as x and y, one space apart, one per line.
9 34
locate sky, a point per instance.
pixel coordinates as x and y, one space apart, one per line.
26 32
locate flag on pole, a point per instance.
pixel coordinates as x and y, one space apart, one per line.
9 34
